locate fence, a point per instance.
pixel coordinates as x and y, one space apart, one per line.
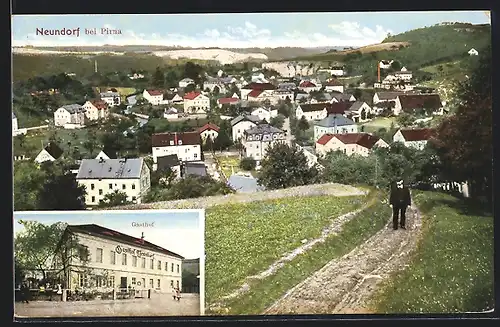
69 295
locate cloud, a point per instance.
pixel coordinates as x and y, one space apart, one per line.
246 35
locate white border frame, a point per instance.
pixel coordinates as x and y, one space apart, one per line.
201 227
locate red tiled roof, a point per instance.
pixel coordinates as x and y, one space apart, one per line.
364 139
209 126
338 107
324 139
255 93
259 86
99 104
154 92
191 95
417 134
307 84
227 100
420 101
187 138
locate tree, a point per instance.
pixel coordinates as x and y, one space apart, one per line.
60 190
158 80
114 199
285 166
277 121
216 91
303 124
464 148
28 183
404 119
357 94
90 143
36 244
396 65
247 163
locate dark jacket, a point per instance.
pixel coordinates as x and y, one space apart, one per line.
400 197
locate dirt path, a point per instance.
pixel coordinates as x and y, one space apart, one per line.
332 189
334 228
345 284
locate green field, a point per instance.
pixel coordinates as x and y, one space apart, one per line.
244 239
229 164
452 270
124 91
378 123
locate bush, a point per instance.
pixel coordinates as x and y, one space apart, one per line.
248 163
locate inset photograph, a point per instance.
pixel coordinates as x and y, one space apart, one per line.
109 263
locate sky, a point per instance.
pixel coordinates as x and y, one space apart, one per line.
179 231
233 30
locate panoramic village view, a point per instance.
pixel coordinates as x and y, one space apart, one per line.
291 145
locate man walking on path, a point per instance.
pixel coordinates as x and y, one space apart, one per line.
399 200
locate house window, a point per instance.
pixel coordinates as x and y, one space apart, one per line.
177 284
144 282
151 283
171 283
124 186
159 265
172 142
180 142
143 263
133 186
196 155
110 186
172 267
100 281
158 283
178 268
83 253
134 198
124 259
92 186
166 266
113 258
98 257
83 281
134 261
111 281
152 264
92 199
133 281
100 191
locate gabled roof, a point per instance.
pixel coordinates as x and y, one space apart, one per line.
108 94
259 86
195 168
73 108
263 129
356 105
335 120
342 96
168 161
250 118
103 232
307 84
54 150
154 92
338 107
186 138
228 100
310 107
255 93
388 95
169 96
334 82
99 104
191 95
363 139
417 134
209 126
110 168
419 101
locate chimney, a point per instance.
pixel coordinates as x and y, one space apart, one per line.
378 72
142 237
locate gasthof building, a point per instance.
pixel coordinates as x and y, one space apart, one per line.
118 261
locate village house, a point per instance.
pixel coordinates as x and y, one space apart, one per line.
473 52
185 82
155 97
104 176
15 127
104 155
318 111
385 64
334 124
359 111
96 109
117 263
112 98
51 152
70 115
349 143
265 113
266 88
214 84
287 86
171 113
342 97
228 101
281 95
193 169
135 76
196 103
258 78
257 139
187 146
410 103
242 123
208 130
171 161
416 138
308 86
380 99
334 85
404 75
172 98
333 71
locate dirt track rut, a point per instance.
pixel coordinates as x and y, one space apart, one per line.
345 284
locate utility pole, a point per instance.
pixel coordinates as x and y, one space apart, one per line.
95 66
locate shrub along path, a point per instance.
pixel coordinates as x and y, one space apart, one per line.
346 283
